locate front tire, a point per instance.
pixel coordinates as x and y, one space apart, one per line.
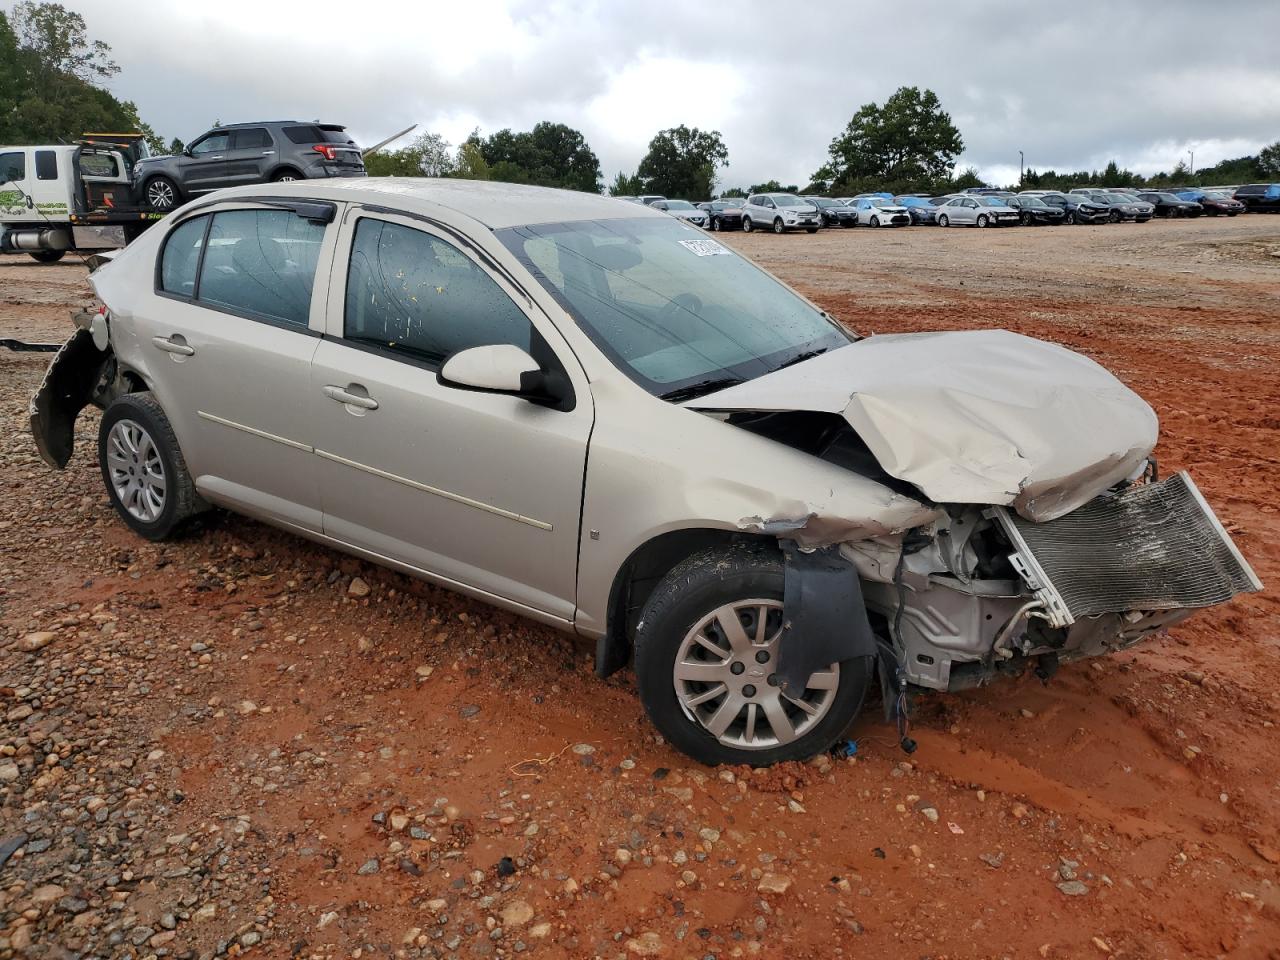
47 256
705 650
161 194
143 468
746 225
778 226
983 220
875 221
715 225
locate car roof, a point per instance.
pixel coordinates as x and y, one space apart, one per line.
496 205
277 123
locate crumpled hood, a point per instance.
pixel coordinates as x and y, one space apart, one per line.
984 417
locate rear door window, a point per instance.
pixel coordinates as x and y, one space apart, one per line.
255 137
411 293
46 165
261 263
310 133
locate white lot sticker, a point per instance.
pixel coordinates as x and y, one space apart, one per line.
704 248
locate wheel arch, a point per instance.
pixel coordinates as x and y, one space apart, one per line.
639 575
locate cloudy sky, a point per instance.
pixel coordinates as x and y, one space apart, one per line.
1070 84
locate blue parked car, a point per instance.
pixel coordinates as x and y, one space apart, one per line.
921 210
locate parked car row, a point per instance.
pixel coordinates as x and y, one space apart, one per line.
983 207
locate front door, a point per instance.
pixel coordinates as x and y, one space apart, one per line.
477 490
228 339
204 166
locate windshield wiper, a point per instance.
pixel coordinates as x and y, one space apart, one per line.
800 358
699 389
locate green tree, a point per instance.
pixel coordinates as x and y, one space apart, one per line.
626 185
549 155
176 146
968 177
908 143
59 42
682 162
733 192
428 155
48 66
773 186
1269 160
470 164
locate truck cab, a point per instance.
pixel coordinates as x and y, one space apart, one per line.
64 197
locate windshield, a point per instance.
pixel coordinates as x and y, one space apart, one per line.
679 205
1117 198
673 309
992 201
1218 195
787 200
822 202
726 205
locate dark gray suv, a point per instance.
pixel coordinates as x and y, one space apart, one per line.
243 153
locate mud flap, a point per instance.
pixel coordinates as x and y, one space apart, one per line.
824 617
68 387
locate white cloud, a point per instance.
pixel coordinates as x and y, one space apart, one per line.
1071 86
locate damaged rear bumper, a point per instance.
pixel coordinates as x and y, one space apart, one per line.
78 376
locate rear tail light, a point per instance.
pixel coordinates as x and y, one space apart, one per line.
326 151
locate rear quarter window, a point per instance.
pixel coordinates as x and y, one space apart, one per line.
261 262
180 258
310 133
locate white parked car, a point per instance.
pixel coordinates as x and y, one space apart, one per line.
977 211
683 210
599 417
779 212
879 212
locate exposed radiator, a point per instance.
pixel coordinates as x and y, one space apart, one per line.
1153 547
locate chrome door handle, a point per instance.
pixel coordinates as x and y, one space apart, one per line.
342 395
173 346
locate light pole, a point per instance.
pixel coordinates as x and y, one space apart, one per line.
1192 155
1020 164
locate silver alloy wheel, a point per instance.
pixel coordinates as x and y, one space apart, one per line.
943 221
983 221
725 681
137 472
160 194
286 178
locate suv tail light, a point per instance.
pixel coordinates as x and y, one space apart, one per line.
328 152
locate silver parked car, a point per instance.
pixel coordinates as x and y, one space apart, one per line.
597 416
682 210
779 212
977 211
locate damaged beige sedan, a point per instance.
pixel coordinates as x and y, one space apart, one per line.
594 415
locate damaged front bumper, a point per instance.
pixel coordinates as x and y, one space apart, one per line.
993 591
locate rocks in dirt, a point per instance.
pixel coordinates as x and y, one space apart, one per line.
516 914
993 860
1073 888
369 867
648 944
36 641
773 883
357 588
1265 851
9 772
468 711
583 749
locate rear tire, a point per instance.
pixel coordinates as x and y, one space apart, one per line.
745 581
143 468
47 256
286 176
944 221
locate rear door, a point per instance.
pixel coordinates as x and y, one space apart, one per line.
478 490
204 167
228 339
250 155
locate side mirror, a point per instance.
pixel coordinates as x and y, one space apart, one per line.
506 369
